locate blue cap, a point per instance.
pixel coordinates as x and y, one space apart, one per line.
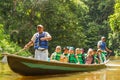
71 48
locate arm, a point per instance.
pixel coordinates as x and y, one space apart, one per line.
29 44
98 45
108 49
47 37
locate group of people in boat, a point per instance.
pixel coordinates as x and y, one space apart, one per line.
40 41
78 55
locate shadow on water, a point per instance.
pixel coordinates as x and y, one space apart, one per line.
95 75
45 77
104 74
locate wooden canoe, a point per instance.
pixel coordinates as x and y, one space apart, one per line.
32 67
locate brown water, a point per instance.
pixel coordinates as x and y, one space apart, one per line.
112 72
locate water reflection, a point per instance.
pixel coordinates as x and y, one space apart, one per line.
105 74
110 73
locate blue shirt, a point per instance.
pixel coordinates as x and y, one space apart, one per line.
102 45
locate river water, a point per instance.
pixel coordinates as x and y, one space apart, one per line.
112 72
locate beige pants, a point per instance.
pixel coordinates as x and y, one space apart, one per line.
41 55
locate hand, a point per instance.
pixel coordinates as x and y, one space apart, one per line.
25 47
43 39
110 51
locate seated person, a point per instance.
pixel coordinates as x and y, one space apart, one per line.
104 55
66 51
65 54
84 55
90 58
72 57
101 56
96 57
56 56
79 56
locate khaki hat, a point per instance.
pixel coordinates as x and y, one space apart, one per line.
99 50
77 49
103 37
40 26
58 47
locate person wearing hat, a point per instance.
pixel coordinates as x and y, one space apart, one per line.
40 40
102 46
99 55
90 57
84 54
56 56
72 57
79 56
65 54
96 56
65 51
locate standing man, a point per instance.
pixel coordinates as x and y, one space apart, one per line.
40 41
102 46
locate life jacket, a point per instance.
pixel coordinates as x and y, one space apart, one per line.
102 45
57 56
96 58
80 58
40 44
72 58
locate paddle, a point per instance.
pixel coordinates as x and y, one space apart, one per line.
19 51
4 59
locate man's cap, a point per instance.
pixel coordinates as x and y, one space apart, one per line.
103 37
40 26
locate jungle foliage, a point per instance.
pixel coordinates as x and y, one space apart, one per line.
114 21
78 23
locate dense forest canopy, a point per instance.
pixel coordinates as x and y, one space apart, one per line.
114 21
78 23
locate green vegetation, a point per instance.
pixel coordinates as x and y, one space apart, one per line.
9 47
114 21
78 23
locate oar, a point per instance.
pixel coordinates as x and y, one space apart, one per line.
4 59
19 51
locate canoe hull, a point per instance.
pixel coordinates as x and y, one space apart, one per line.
31 67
